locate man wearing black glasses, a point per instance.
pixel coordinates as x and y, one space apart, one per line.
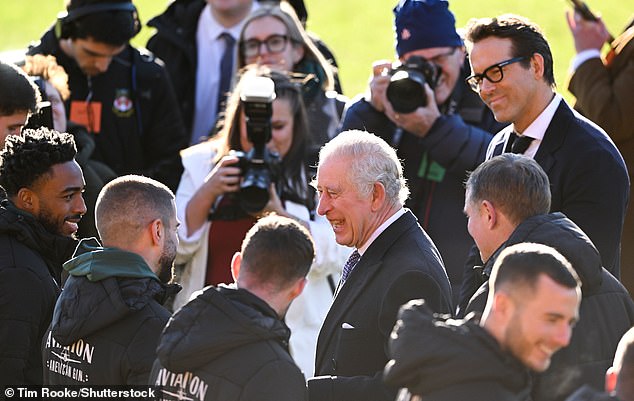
512 69
438 141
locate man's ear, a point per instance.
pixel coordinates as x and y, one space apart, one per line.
298 287
537 63
378 196
490 213
157 232
236 261
611 377
26 200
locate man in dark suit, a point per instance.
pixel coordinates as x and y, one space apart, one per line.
361 192
512 69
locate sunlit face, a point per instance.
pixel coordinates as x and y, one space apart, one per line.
93 57
542 322
57 106
513 98
349 213
168 255
477 227
12 125
262 29
281 129
450 60
58 203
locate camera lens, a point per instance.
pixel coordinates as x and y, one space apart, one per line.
406 91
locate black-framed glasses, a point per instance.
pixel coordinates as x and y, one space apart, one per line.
274 44
441 58
493 74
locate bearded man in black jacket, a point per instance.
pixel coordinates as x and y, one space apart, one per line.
39 211
507 202
529 315
107 322
230 342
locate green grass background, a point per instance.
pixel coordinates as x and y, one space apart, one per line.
358 31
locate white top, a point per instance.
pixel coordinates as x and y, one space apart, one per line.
582 57
537 128
210 48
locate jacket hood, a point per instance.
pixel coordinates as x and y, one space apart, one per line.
105 286
53 248
97 263
431 352
216 321
561 233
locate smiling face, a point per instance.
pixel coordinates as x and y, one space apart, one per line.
58 203
541 322
450 61
263 28
349 213
477 226
516 98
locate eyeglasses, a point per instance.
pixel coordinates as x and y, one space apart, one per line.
493 74
441 58
274 44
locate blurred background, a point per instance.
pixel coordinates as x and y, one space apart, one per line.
358 31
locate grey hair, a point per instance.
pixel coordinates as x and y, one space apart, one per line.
372 160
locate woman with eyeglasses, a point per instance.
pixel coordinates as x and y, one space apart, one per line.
272 35
213 225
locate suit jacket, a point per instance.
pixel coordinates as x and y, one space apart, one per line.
605 94
588 178
400 265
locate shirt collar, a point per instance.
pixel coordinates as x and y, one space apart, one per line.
380 229
538 127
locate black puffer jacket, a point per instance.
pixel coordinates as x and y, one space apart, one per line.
227 344
31 261
107 321
441 359
141 130
606 311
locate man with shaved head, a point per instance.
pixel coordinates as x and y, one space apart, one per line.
108 319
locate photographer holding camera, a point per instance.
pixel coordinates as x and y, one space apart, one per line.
424 109
220 197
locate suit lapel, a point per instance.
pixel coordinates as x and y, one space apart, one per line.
498 144
554 136
368 266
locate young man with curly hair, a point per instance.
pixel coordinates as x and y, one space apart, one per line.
40 207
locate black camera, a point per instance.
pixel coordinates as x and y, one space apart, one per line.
259 167
406 90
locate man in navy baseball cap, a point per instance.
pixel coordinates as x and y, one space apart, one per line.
438 139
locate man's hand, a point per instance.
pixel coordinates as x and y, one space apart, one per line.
378 84
420 121
587 34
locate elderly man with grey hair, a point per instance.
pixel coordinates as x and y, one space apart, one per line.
361 193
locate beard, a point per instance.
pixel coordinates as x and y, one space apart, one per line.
166 262
53 224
